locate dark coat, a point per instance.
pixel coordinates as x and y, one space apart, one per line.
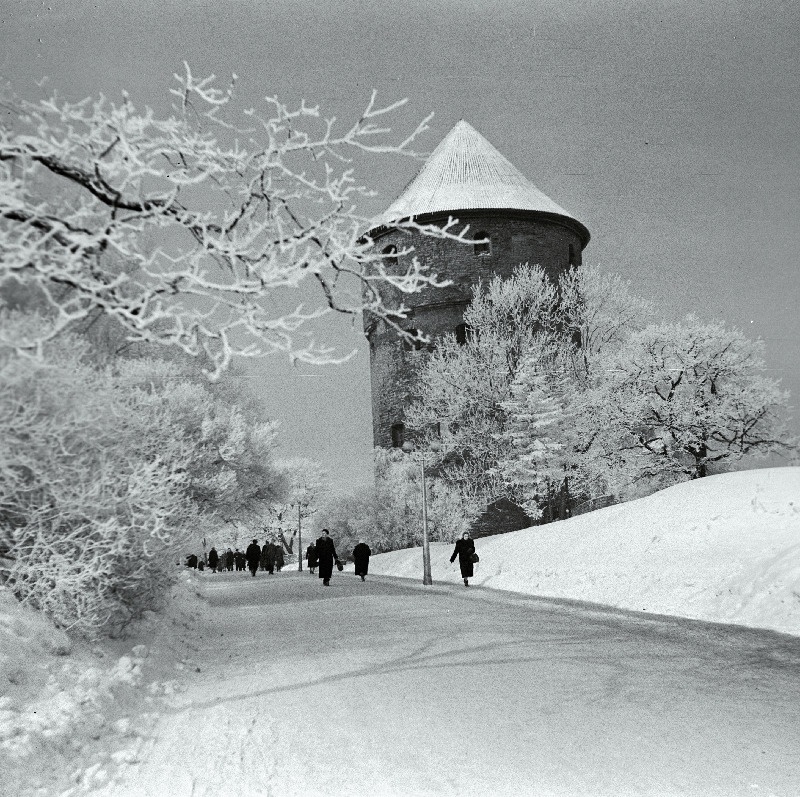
278 554
253 555
464 550
361 554
213 558
229 560
326 554
311 555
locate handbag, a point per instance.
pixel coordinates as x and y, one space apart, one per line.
339 565
474 558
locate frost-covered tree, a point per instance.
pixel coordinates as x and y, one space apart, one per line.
681 398
90 516
535 456
462 387
199 230
305 485
598 312
110 474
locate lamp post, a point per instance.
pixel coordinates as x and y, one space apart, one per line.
299 537
408 448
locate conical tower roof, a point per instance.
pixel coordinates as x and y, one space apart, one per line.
465 172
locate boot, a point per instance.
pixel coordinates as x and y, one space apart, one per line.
466 583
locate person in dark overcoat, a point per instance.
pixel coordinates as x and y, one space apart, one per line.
213 559
311 557
361 554
279 558
266 557
253 556
229 559
326 556
465 548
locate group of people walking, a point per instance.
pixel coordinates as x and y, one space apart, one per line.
321 556
268 557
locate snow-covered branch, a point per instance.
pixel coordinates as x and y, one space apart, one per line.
196 230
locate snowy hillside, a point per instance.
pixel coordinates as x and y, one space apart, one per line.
724 548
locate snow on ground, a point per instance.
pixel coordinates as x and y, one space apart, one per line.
725 549
72 711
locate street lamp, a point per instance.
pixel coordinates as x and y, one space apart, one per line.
408 448
299 537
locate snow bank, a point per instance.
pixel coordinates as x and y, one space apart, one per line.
65 705
724 548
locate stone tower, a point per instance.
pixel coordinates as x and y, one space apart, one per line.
466 178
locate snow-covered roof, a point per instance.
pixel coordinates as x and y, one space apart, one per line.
466 172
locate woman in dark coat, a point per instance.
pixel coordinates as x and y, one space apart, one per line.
326 555
278 554
464 550
361 554
213 559
311 556
253 554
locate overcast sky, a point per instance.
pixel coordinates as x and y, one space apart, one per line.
669 129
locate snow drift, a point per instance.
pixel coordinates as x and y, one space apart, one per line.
725 548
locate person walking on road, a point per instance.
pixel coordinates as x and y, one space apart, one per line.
253 555
213 559
326 556
229 559
279 560
465 551
311 556
266 557
361 554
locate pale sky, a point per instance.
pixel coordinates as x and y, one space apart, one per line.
669 129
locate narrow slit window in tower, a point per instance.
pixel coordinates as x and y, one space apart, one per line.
398 435
461 334
572 255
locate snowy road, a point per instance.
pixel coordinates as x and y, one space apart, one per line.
386 688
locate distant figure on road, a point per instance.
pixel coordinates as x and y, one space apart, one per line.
464 550
229 559
240 559
278 553
253 555
361 554
311 556
213 559
326 556
267 562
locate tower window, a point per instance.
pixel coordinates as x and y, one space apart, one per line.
390 255
461 334
482 245
398 435
572 255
